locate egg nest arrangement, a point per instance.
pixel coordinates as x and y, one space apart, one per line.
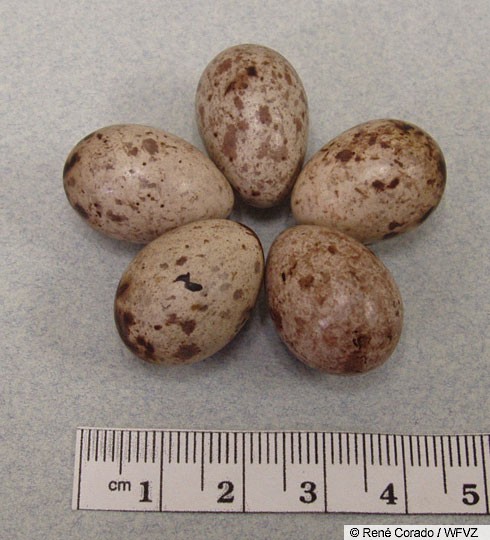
191 289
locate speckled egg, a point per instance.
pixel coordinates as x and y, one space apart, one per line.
134 182
374 181
189 292
333 302
252 115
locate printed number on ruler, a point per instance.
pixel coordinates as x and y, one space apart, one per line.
235 471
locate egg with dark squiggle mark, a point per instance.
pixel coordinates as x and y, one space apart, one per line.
189 292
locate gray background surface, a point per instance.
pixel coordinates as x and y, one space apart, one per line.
68 68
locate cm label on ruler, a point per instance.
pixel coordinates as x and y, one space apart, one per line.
235 471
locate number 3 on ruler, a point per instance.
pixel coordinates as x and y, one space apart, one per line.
309 490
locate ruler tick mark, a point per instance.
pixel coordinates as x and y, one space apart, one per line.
105 446
178 446
364 462
194 448
284 462
387 440
121 449
268 447
340 448
380 457
219 447
434 451
443 459
202 461
138 446
170 447
475 458
356 450
260 448
96 445
88 444
467 451
316 448
308 448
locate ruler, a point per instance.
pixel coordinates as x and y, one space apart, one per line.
280 471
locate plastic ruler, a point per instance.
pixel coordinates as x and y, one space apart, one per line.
280 471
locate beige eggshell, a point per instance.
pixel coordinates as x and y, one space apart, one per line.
134 182
374 181
189 292
333 302
252 115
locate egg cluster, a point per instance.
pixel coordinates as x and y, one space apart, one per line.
191 289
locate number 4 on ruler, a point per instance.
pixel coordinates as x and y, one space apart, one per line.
235 471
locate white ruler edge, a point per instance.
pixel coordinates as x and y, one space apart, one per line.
185 470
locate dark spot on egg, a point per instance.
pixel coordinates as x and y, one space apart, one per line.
378 185
229 143
188 326
441 167
393 183
117 218
230 87
276 317
344 155
224 66
265 115
238 294
199 307
306 282
151 146
394 225
188 284
122 288
180 261
404 126
354 363
187 351
427 214
148 347
70 163
238 102
332 249
81 210
128 319
360 341
252 71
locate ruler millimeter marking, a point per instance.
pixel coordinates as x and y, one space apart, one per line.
287 471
